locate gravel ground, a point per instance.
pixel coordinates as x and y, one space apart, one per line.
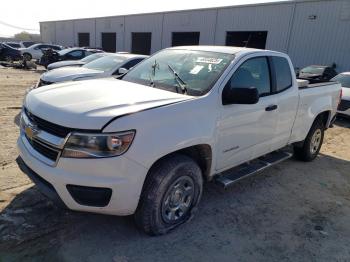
292 212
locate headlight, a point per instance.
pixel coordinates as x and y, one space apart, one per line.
80 145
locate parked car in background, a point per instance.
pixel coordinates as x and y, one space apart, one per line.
80 62
145 144
9 54
26 44
317 73
22 44
75 53
109 65
35 51
344 106
13 44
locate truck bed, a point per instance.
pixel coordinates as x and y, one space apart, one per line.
304 84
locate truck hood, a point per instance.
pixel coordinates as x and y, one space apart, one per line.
91 104
64 63
69 74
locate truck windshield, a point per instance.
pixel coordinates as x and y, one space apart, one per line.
343 79
183 71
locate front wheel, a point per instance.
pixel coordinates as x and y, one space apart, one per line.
171 192
27 56
8 59
312 144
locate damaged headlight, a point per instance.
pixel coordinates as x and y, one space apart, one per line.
80 145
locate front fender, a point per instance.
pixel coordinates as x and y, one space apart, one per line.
169 128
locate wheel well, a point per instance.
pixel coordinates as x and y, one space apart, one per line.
201 154
324 116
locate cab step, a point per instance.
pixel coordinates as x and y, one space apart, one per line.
229 177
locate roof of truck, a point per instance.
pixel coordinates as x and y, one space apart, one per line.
218 49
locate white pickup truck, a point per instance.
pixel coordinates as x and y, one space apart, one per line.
145 144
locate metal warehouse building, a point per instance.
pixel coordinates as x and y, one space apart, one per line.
311 32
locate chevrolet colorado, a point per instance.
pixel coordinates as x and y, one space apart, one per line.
145 144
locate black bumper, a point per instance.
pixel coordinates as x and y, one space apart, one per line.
44 186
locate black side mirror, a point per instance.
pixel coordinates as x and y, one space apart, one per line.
240 95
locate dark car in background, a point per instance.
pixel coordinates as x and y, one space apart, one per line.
13 44
9 54
317 73
75 53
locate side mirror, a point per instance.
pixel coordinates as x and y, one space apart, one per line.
240 95
122 71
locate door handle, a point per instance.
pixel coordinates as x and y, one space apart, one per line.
271 108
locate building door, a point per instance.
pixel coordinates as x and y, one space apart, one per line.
141 43
84 39
109 41
185 38
253 39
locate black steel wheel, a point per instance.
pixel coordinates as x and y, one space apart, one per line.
170 194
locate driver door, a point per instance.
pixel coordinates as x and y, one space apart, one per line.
245 131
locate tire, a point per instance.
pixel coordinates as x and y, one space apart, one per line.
312 144
8 59
27 56
172 183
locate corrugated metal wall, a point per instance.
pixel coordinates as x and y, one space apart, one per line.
323 40
144 23
65 33
190 21
274 19
316 32
108 25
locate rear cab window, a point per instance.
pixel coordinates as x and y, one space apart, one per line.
283 74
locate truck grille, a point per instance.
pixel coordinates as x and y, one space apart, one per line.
44 150
47 126
344 105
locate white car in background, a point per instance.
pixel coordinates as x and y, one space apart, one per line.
107 66
35 51
344 80
80 62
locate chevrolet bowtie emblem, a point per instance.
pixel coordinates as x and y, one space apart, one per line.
31 131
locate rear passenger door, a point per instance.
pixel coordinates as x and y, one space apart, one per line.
245 131
286 95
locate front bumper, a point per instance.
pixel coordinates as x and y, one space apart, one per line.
121 175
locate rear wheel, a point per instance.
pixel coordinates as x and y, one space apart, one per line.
171 192
312 144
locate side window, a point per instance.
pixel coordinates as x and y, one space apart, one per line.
132 63
283 74
252 73
75 54
55 47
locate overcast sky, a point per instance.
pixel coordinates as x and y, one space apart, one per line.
27 14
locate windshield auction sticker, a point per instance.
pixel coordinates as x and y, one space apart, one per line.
209 60
196 69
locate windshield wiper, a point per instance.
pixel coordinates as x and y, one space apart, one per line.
153 74
178 79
